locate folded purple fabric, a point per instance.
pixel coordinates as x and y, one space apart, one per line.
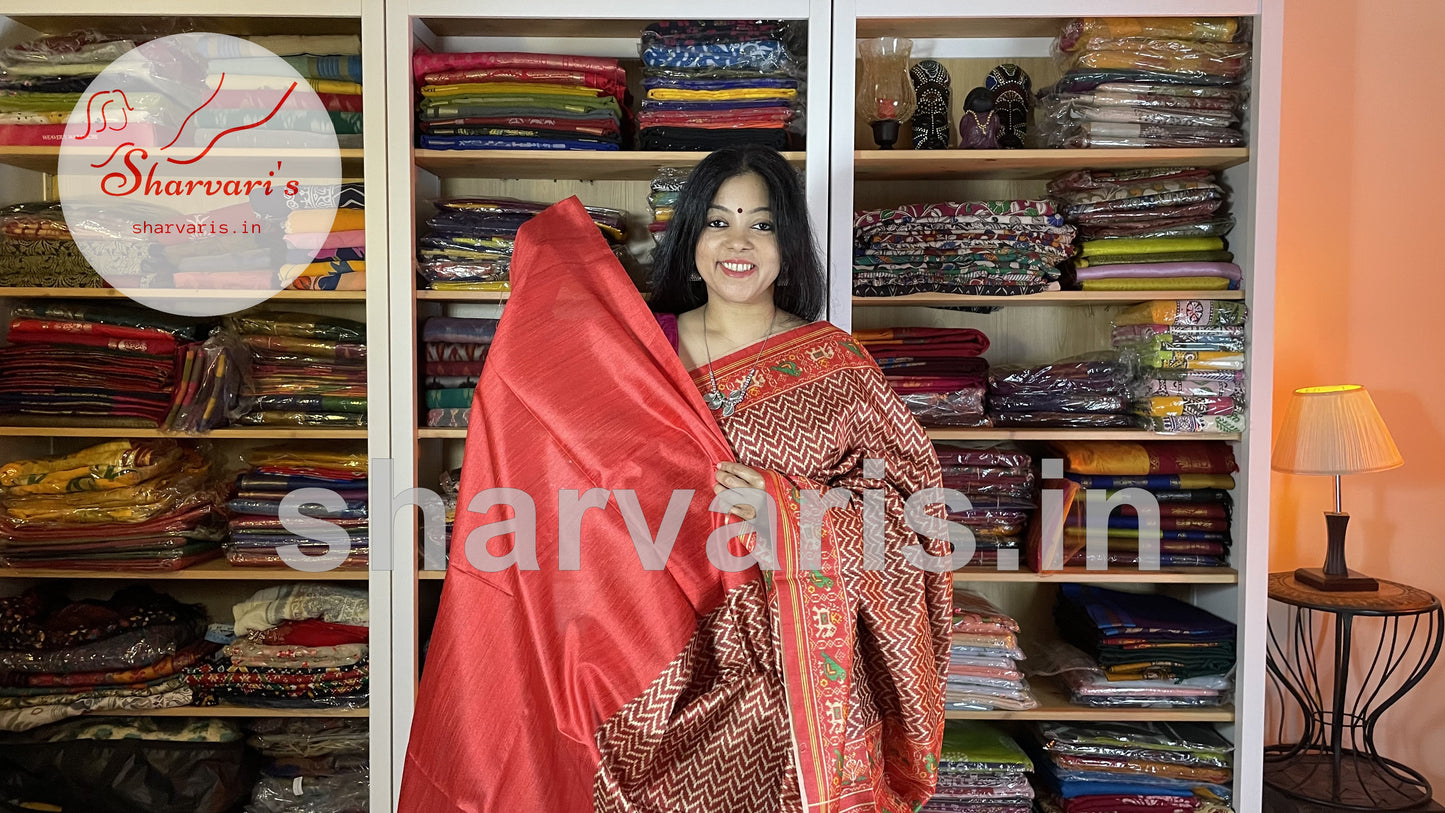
1133 270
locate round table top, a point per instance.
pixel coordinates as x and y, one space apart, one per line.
1392 598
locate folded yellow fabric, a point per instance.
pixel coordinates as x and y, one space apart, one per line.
1201 29
1156 284
675 95
1150 245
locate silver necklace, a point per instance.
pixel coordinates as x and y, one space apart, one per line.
729 403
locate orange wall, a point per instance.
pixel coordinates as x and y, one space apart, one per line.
1361 297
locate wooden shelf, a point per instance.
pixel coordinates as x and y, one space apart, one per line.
214 570
1055 705
463 296
989 433
260 16
231 711
1051 298
1078 575
111 293
947 165
980 433
47 159
1181 575
584 165
256 433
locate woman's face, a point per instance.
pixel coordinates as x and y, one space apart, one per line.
737 252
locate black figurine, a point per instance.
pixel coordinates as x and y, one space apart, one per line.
978 129
930 119
1012 101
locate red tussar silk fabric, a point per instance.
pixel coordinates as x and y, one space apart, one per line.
580 390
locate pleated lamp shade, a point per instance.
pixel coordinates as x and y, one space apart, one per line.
1334 430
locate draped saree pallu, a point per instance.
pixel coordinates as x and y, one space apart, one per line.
676 686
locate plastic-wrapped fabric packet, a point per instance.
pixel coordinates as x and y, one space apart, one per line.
1081 30
1188 58
208 388
1088 685
1178 742
1103 373
1080 135
298 325
957 408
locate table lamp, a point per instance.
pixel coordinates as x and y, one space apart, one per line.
1334 430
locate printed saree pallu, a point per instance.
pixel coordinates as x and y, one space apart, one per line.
614 687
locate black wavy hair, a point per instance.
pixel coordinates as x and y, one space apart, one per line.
800 288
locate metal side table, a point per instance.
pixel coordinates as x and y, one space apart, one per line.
1335 764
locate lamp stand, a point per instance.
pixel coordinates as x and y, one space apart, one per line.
1335 576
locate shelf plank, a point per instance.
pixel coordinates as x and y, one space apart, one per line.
258 16
111 293
214 570
937 165
47 159
1055 705
1051 298
257 433
584 165
231 711
974 433
990 433
1078 575
463 296
1182 575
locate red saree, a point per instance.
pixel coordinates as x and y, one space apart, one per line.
617 688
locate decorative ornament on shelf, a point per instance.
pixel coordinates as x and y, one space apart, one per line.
930 121
978 129
1013 100
1334 430
885 94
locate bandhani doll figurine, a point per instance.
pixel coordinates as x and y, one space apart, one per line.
1012 101
930 120
979 127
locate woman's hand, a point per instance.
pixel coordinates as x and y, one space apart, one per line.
736 475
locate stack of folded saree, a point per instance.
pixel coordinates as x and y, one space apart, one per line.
936 371
983 670
256 530
1000 485
996 248
468 243
456 349
1145 767
1147 82
1088 684
38 251
300 645
90 364
1144 636
1189 357
981 769
1188 479
124 506
311 765
519 101
60 658
42 80
711 84
250 84
1084 392
1148 229
325 227
306 370
662 197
